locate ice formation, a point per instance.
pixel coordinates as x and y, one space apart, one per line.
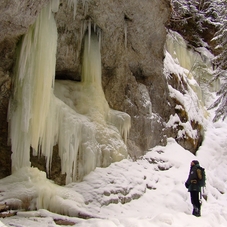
105 130
198 64
126 33
33 88
78 118
74 3
29 189
193 70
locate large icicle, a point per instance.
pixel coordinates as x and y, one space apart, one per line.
35 72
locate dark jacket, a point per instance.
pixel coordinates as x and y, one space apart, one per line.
195 175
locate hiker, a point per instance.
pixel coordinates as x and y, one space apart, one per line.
194 187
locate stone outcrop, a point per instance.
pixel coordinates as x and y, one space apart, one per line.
132 35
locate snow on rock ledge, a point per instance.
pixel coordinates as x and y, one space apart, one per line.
29 189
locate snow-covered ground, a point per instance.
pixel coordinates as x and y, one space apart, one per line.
149 191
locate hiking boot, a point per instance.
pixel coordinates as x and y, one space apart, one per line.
196 212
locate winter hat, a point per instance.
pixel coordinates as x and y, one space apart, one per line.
195 162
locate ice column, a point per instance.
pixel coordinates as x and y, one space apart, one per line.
91 78
33 88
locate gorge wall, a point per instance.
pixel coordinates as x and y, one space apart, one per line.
133 37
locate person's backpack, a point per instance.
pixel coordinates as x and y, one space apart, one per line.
202 182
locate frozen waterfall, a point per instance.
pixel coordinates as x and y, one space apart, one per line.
33 88
74 115
197 63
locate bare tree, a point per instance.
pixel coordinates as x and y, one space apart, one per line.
221 59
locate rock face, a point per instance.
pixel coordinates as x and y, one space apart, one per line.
132 42
132 35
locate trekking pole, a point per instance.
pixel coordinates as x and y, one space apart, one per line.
200 197
204 194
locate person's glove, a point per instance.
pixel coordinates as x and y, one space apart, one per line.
186 184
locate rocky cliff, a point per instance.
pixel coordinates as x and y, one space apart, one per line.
133 36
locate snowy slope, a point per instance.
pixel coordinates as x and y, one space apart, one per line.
150 191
